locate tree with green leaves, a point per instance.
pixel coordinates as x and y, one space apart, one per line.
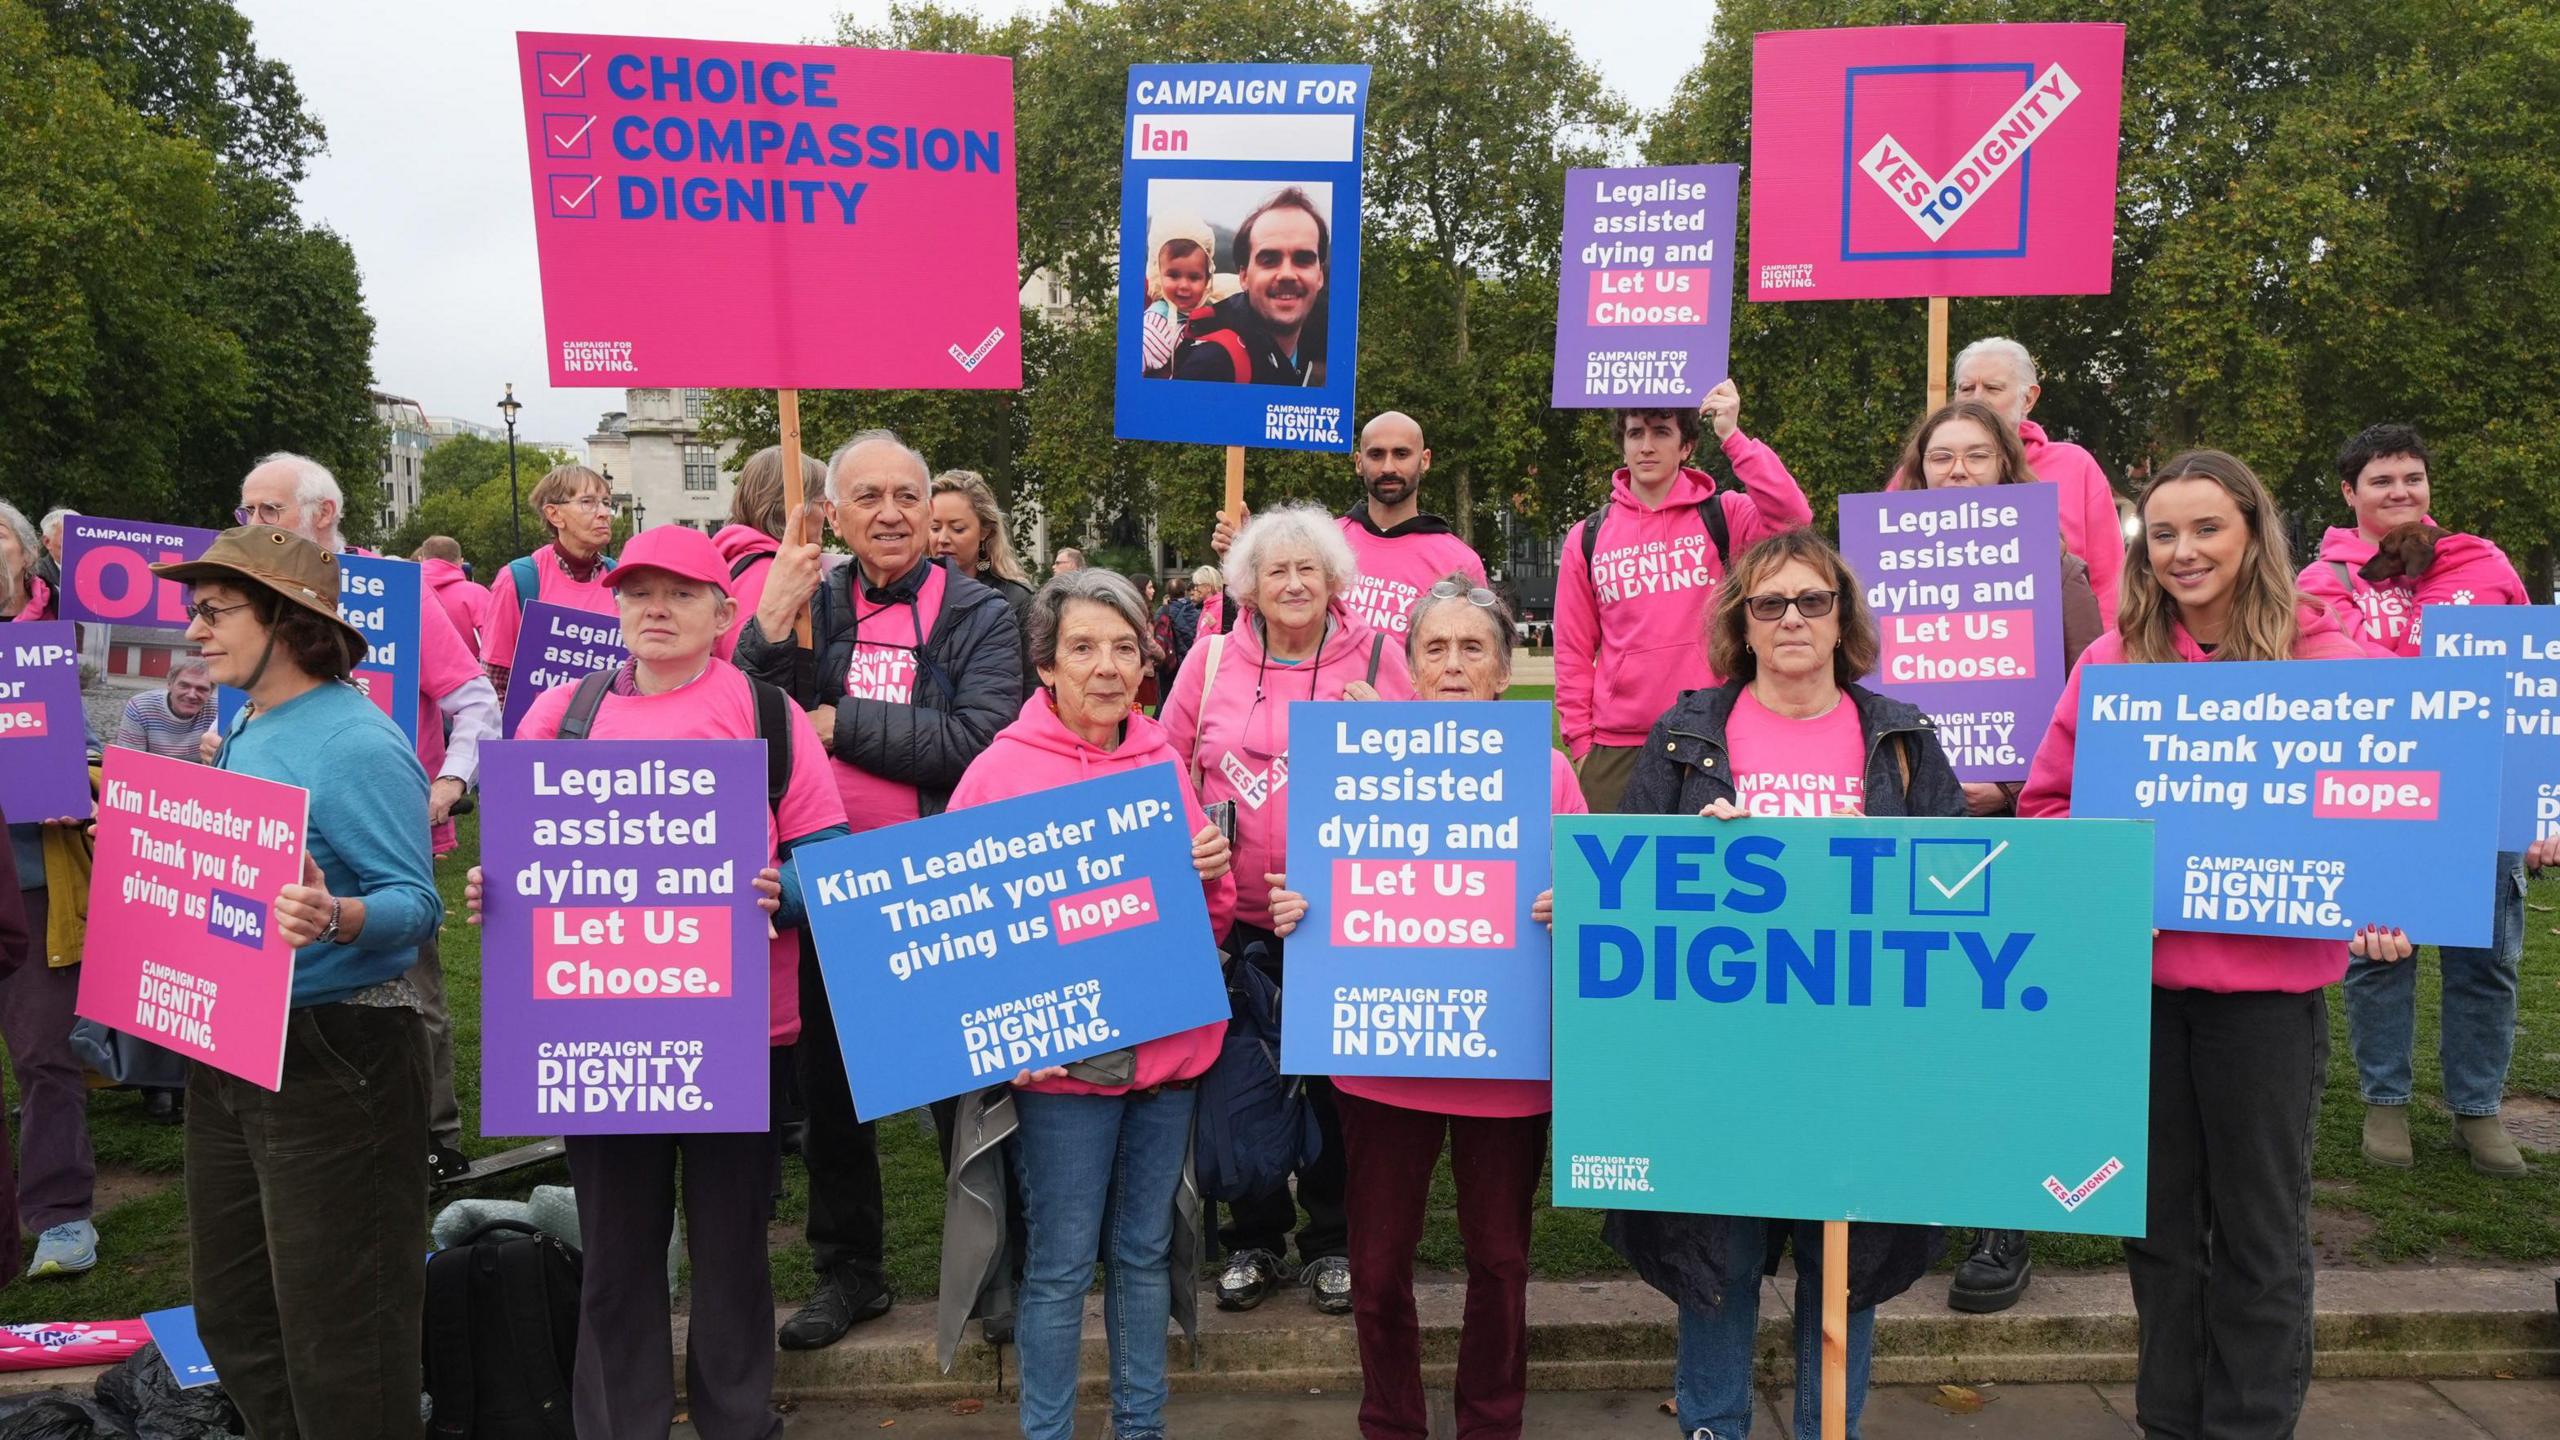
462 492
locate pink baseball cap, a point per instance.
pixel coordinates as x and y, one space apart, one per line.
678 550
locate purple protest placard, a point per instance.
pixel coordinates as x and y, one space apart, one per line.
623 965
556 646
1644 301
106 570
1966 585
44 743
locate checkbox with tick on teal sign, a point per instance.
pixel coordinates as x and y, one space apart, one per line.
1952 877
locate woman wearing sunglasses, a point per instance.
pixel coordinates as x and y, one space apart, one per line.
1460 649
1228 717
1790 733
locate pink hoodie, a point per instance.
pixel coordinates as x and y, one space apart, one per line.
2468 570
498 630
465 601
2187 959
736 543
1038 752
1239 742
1500 1099
1626 649
1399 566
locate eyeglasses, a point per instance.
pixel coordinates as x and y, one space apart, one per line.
210 613
588 502
1478 596
1978 456
1812 604
269 513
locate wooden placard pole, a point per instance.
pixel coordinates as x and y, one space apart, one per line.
1234 508
1937 352
794 493
1835 1233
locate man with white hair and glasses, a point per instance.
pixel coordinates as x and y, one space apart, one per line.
1999 372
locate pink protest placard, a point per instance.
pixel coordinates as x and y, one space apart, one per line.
1934 160
183 949
773 216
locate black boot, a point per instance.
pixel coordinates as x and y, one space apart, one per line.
844 1300
1993 1277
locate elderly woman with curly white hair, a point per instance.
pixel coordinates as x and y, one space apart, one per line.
1228 716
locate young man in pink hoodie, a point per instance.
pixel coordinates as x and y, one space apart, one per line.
2375 578
1999 372
1638 576
1402 549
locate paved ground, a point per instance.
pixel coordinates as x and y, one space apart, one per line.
2339 1410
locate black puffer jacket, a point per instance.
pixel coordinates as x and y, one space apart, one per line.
1684 768
968 682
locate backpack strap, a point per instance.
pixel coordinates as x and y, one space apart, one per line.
580 718
1208 682
773 726
448 1337
517 1269
745 563
528 580
1719 529
1591 538
1377 647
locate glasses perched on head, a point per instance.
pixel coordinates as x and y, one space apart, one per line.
1811 604
269 513
1477 596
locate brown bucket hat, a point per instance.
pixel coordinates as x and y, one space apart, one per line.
277 560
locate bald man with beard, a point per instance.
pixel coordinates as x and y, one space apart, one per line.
1403 551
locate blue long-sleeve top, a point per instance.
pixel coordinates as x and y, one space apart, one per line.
368 830
795 911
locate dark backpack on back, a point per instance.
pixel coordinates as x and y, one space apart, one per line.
773 727
1254 1126
501 1334
1710 510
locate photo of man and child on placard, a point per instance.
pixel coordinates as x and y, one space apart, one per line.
1236 276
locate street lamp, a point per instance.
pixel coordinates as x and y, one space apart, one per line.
515 509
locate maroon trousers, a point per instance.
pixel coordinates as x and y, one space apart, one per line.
1496 1163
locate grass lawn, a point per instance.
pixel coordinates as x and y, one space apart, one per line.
2437 1211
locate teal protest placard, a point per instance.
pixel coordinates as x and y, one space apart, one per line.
1939 1022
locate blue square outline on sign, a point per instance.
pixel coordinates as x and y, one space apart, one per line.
549 89
585 143
1849 161
1925 899
594 205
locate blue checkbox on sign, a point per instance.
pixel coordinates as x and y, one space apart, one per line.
1952 877
573 197
561 73
567 137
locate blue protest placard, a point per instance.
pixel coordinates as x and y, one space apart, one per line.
624 961
44 741
962 949
2526 640
558 645
378 596
1854 1019
1966 586
1420 831
1240 254
2290 795
174 1331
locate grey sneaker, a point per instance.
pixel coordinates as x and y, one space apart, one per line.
1330 1281
67 1249
1248 1279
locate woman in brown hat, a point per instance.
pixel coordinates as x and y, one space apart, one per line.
317 1335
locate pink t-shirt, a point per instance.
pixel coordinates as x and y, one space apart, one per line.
1811 767
1492 1099
559 587
720 705
884 667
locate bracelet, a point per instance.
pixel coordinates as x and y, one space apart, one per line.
329 933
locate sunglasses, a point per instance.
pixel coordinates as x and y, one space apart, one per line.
1812 604
1477 596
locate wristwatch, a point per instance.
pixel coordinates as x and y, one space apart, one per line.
329 933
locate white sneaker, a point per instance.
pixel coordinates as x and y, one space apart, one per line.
66 1249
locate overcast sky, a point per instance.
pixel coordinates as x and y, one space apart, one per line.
426 172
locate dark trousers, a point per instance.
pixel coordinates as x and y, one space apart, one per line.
444 1112
847 1217
1262 1222
625 1376
307 1220
1495 1162
1604 773
2222 1283
57 1175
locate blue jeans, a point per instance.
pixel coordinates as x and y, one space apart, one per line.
1097 1167
1712 1385
2477 1021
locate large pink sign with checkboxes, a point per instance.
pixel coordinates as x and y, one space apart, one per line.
772 216
1934 160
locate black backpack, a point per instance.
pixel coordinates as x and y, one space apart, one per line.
773 727
1710 510
1253 1127
501 1335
